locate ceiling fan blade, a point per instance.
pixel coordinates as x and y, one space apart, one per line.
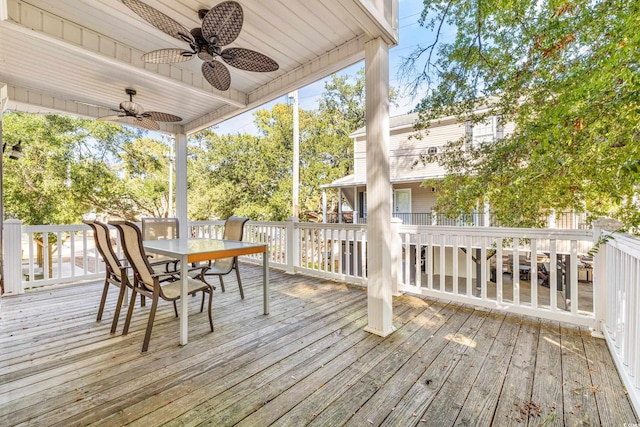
216 74
143 122
222 24
131 108
109 118
160 20
163 117
167 56
247 59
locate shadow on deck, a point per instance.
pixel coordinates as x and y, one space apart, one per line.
307 363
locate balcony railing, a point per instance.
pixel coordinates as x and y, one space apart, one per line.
564 220
484 266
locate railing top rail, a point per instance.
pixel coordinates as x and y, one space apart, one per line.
54 228
328 226
624 242
506 232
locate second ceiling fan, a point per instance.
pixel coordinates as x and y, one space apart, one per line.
220 26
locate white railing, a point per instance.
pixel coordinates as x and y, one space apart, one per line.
59 254
333 251
620 269
482 266
499 268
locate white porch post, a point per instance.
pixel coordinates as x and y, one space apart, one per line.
487 214
13 256
181 183
324 205
379 280
4 98
339 205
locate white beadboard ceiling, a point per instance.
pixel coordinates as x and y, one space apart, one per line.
78 56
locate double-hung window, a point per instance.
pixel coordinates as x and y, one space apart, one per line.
483 132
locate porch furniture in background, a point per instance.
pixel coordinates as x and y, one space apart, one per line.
233 230
195 250
147 282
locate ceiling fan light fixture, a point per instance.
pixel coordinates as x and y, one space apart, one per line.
204 54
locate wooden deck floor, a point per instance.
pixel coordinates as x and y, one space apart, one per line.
308 363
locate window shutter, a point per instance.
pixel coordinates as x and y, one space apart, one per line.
499 127
468 131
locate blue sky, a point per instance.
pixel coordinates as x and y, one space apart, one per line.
410 34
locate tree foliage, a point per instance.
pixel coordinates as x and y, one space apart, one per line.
566 73
252 175
73 166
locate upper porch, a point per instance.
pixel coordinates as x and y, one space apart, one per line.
464 311
309 362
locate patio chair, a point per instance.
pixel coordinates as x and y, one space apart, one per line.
161 228
116 273
148 283
233 230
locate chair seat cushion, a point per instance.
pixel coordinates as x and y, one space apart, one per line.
172 290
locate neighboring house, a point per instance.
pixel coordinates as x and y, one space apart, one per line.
411 202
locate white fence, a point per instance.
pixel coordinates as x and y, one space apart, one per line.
539 272
620 269
483 266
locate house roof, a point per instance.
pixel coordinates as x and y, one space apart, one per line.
78 57
350 181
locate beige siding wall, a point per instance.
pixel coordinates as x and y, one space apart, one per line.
359 157
404 156
422 199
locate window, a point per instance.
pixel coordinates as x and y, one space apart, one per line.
432 150
362 204
485 132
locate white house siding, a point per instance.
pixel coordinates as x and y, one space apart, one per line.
406 151
360 159
422 199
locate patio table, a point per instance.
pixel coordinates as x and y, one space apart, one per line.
194 250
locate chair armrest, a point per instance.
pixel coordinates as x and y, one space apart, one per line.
159 275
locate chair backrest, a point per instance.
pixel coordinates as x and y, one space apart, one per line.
131 238
102 239
160 228
234 228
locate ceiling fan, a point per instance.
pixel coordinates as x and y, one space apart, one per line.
133 114
220 27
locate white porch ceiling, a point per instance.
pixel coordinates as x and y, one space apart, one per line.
72 56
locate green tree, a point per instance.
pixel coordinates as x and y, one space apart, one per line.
73 166
252 175
566 73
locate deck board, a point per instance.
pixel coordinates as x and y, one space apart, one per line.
307 363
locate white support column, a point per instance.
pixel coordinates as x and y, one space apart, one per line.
396 256
379 280
4 99
13 257
324 205
181 183
296 156
487 214
293 246
340 206
552 219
